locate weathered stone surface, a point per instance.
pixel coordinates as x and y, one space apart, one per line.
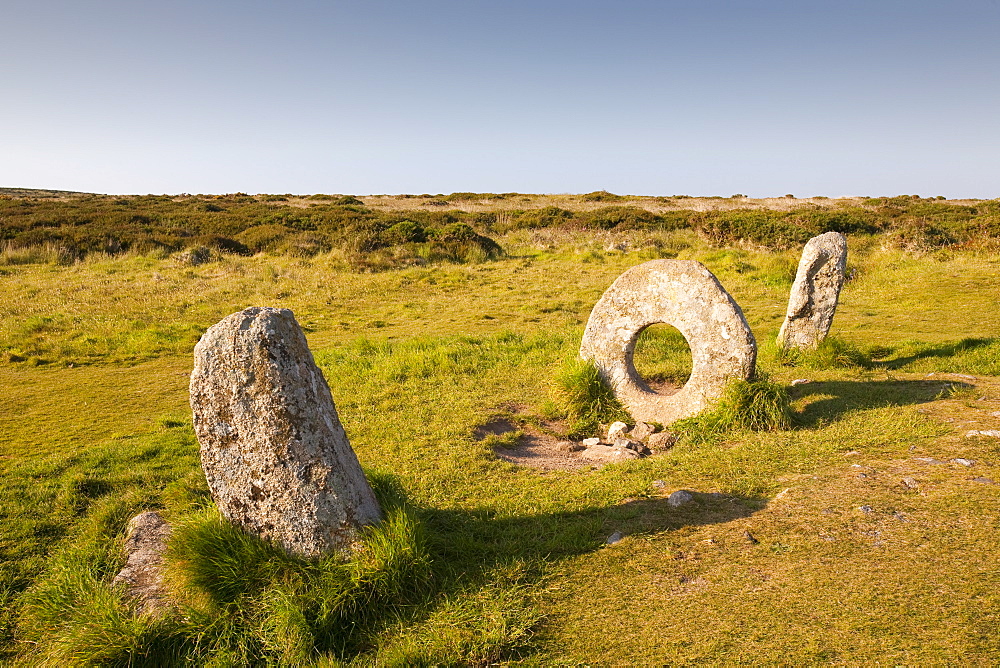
641 431
617 430
569 446
684 294
276 457
608 453
661 440
637 446
679 498
145 543
587 442
814 295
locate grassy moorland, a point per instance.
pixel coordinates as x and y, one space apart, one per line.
432 315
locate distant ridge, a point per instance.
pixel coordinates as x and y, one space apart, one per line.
36 192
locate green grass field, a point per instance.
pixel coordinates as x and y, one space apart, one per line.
803 545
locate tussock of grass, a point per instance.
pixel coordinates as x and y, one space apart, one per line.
239 598
746 405
477 627
585 397
968 355
831 353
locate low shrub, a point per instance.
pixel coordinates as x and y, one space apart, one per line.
406 231
768 229
602 196
622 217
548 216
260 238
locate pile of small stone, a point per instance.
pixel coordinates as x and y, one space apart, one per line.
621 443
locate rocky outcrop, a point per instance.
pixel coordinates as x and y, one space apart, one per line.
276 457
682 293
145 544
815 292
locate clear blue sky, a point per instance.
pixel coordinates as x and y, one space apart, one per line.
699 97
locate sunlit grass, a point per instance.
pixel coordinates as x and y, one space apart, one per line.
508 563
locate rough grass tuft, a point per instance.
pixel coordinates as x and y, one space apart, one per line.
831 353
746 405
237 597
586 398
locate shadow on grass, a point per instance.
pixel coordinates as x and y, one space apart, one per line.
829 400
942 350
474 541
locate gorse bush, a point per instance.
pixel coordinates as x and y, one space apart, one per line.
241 224
602 196
73 227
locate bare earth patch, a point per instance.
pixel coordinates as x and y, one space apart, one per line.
535 447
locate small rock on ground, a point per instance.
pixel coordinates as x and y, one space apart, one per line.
992 433
679 498
910 482
617 430
641 431
569 446
587 442
963 462
614 538
638 446
663 440
143 573
607 453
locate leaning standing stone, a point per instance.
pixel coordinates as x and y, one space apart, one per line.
814 295
276 457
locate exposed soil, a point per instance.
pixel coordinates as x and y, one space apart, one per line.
535 448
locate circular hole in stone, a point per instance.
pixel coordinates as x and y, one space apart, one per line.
662 358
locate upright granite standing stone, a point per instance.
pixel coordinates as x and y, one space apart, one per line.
682 293
276 457
813 299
